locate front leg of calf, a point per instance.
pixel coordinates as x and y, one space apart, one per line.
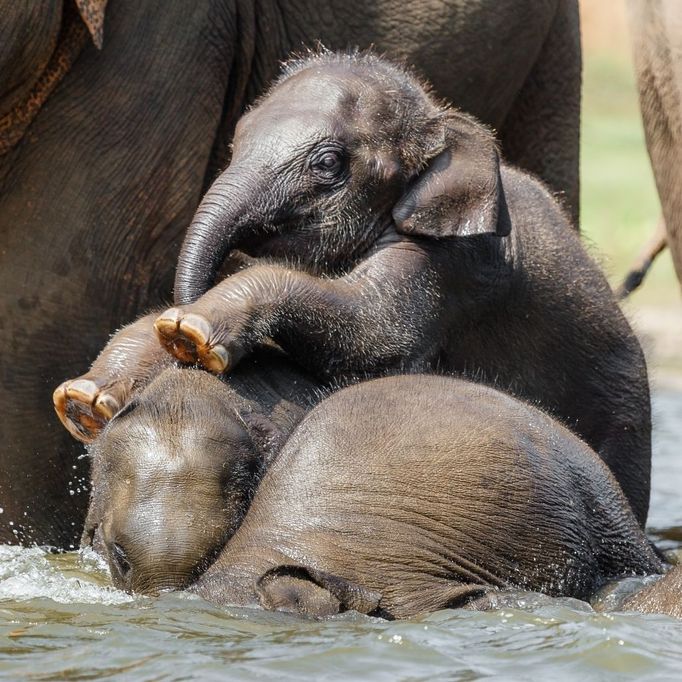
383 315
130 360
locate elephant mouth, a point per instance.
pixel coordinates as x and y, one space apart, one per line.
322 248
299 248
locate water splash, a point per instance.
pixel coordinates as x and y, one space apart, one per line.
33 573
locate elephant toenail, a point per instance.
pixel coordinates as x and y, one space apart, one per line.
217 359
167 323
82 390
197 328
106 405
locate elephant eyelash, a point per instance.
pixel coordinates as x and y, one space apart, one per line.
327 150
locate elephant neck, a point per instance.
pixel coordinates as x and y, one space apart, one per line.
270 383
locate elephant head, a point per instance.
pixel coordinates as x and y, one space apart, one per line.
342 147
173 474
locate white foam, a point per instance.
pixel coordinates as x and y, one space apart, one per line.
77 577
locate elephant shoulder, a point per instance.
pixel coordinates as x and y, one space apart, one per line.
531 202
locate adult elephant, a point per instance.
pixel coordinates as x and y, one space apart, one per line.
95 192
656 27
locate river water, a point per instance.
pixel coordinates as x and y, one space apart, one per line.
59 619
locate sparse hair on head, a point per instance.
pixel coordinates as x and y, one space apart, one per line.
410 103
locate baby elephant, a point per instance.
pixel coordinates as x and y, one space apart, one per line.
174 471
414 493
433 254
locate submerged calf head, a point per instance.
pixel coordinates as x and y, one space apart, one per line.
172 476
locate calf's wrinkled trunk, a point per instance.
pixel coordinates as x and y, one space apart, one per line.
231 214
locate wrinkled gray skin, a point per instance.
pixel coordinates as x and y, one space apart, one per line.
436 256
663 597
95 199
409 494
175 470
656 29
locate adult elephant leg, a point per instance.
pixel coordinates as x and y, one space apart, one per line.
93 204
656 27
541 132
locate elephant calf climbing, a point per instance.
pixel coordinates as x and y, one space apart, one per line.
415 248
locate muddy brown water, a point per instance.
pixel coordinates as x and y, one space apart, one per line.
60 619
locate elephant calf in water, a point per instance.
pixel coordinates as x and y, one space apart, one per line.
174 471
392 497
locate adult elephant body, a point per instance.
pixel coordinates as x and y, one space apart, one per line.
96 195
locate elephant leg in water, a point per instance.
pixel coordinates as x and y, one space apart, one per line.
664 596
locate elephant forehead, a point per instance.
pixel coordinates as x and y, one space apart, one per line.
284 133
300 109
159 452
157 487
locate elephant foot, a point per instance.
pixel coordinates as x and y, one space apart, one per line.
85 406
187 337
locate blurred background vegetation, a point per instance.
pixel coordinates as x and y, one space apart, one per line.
619 204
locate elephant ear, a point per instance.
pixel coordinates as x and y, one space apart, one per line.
92 14
305 591
459 193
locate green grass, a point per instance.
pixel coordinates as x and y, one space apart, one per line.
619 204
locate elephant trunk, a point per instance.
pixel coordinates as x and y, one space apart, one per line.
228 216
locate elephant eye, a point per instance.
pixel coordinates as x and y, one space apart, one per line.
328 164
329 161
